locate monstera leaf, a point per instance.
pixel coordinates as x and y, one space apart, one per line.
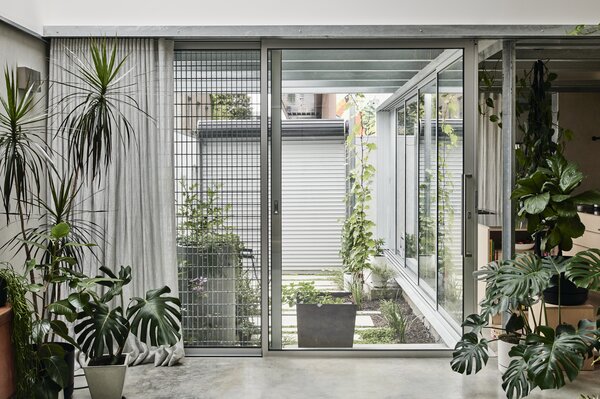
584 269
470 354
116 283
552 356
52 356
156 319
515 380
524 277
101 330
475 322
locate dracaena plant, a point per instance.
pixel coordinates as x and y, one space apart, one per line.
543 357
548 202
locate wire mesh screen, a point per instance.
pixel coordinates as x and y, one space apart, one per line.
217 186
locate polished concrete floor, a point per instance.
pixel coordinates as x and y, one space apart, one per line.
315 378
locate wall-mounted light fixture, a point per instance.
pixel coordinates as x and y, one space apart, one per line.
27 77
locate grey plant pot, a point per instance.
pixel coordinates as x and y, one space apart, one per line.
326 326
107 381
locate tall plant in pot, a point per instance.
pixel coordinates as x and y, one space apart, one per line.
358 244
103 322
93 122
548 202
541 356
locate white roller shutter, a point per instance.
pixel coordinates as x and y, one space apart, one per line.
313 189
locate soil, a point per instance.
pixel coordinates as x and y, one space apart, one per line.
417 333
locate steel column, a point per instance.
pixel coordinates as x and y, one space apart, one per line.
509 126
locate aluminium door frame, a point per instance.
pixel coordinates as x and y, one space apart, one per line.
275 46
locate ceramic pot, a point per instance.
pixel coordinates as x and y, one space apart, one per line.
106 381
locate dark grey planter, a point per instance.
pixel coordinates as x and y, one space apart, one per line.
3 292
326 326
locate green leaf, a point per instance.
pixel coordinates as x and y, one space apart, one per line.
60 328
537 203
570 178
39 329
515 381
61 230
489 102
100 329
551 357
156 320
475 322
515 323
590 197
63 308
53 359
584 269
524 278
470 354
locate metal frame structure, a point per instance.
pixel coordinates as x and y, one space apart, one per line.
274 47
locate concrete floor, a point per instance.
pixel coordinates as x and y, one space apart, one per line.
347 378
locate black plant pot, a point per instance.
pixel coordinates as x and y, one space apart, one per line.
326 326
70 360
3 292
570 294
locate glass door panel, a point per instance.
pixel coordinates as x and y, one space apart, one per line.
412 167
450 170
400 182
427 221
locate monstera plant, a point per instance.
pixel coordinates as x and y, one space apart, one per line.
103 323
542 357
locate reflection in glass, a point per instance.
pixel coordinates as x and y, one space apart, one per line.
400 183
450 169
427 209
412 168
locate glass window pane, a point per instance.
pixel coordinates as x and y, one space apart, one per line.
412 167
450 170
400 181
427 187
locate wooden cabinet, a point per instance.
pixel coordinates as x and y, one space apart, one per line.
7 376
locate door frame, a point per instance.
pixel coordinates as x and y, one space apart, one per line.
271 220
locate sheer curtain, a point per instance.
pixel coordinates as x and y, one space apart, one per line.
490 158
136 194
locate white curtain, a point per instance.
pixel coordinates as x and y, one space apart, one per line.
137 191
490 157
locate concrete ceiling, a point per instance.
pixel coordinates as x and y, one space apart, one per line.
351 71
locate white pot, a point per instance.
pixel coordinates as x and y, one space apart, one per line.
106 382
503 357
372 279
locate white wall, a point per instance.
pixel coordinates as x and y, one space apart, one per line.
305 12
26 13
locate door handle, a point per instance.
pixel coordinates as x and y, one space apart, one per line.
275 207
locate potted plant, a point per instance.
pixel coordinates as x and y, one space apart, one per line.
378 274
323 321
541 355
103 324
548 203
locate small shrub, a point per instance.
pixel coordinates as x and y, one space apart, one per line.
357 293
377 336
396 320
305 292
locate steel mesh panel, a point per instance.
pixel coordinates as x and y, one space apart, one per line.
217 186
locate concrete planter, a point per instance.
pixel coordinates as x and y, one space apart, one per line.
326 326
106 381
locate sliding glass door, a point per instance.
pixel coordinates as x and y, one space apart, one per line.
429 187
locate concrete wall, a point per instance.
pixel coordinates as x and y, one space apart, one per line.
580 113
34 14
19 49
